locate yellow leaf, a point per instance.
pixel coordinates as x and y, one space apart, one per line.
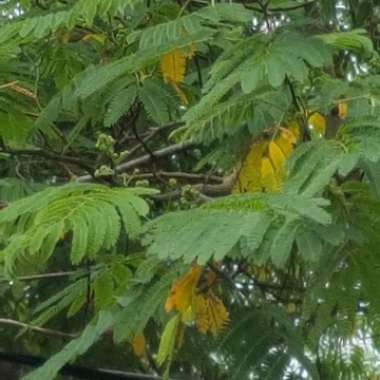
285 141
269 180
181 293
263 167
138 345
276 156
98 37
250 173
318 123
181 94
189 51
187 316
294 129
210 313
342 110
173 66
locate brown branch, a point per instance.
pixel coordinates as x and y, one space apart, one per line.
157 154
145 159
11 322
206 190
9 84
280 9
42 276
143 142
50 156
175 194
224 188
76 371
292 7
180 175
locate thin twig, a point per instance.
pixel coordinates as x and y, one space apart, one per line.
9 84
42 276
292 7
270 10
298 105
264 6
142 142
153 133
183 8
11 322
76 371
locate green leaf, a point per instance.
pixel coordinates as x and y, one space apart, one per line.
168 339
309 245
88 212
155 100
282 244
103 289
119 105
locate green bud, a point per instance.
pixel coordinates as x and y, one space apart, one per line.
123 154
172 183
104 171
105 143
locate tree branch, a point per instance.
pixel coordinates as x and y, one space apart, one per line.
292 7
42 276
145 159
281 9
50 156
11 322
180 175
76 371
205 190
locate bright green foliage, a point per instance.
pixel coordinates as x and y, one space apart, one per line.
156 100
120 103
35 28
241 229
93 214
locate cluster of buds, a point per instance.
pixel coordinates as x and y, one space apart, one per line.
106 144
189 195
104 171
